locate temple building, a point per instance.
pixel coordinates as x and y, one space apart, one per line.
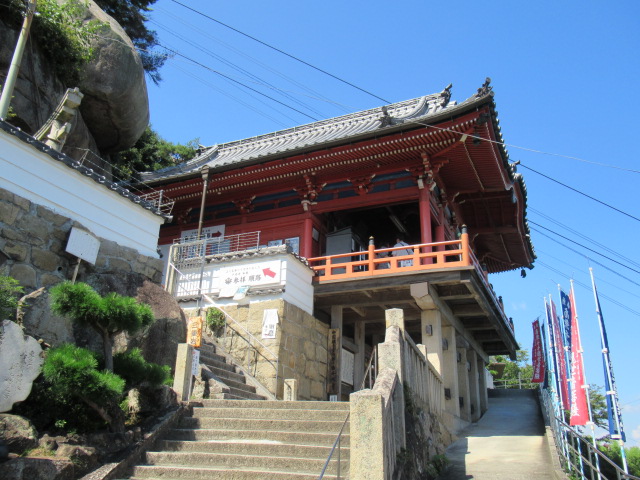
306 236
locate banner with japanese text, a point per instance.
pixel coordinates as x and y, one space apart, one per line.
579 409
562 364
537 355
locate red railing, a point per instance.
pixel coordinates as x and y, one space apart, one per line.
387 261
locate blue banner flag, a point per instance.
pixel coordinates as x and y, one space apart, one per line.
616 430
567 315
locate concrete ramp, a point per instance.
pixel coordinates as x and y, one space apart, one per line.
507 443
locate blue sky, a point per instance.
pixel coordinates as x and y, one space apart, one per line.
565 77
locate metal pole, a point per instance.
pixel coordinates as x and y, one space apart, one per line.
607 361
12 75
206 174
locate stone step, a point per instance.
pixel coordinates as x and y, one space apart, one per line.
223 373
217 363
266 413
199 473
236 394
272 404
238 385
222 434
266 425
251 447
267 463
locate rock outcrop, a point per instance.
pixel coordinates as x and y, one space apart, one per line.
115 109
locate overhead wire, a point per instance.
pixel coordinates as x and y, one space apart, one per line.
280 51
236 67
233 97
588 288
578 269
312 94
585 237
585 256
236 81
581 193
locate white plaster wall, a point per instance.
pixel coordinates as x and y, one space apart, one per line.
294 276
297 279
34 175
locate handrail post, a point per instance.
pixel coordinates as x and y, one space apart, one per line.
371 255
464 239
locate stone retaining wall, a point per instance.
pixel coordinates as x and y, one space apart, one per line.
32 250
300 347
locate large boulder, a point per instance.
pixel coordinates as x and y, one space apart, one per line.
115 108
115 105
20 363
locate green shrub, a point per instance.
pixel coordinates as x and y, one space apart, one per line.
215 319
136 370
73 379
108 315
10 290
59 31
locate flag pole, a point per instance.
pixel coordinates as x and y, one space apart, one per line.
585 385
611 391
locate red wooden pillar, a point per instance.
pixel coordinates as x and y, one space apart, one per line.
426 235
307 238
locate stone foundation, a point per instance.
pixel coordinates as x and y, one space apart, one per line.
300 347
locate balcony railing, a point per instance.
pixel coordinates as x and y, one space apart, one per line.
386 261
373 262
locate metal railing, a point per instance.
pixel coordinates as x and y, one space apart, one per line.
274 362
188 258
163 203
515 383
578 455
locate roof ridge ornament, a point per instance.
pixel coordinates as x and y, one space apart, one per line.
445 95
385 119
485 89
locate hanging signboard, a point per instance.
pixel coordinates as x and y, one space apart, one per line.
194 332
333 373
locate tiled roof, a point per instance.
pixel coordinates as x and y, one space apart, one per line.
307 136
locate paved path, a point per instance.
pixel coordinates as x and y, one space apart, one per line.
507 443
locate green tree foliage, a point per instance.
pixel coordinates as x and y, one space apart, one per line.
108 315
612 450
152 152
60 32
135 370
72 375
132 15
515 373
598 403
10 290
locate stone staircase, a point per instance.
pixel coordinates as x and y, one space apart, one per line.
248 439
227 373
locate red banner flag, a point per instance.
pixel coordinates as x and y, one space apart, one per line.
579 410
538 357
562 363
